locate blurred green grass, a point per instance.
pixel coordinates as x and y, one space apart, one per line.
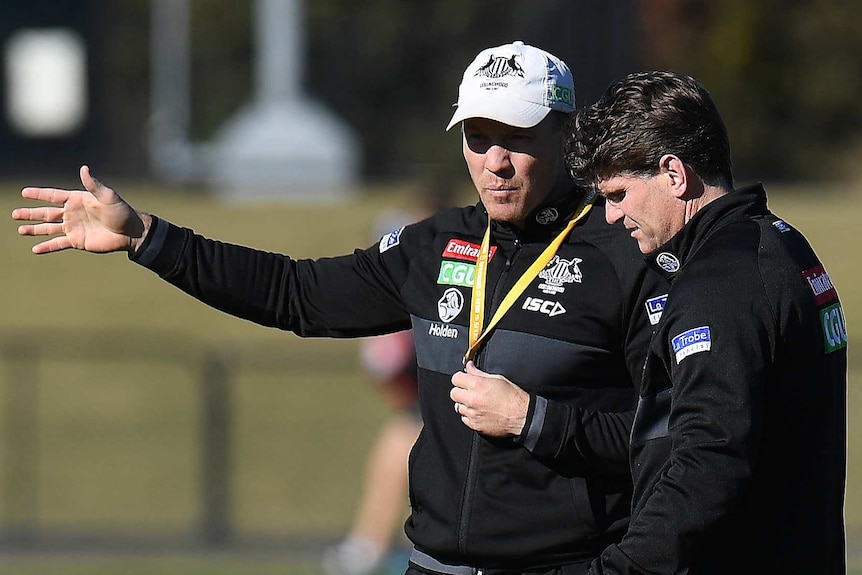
118 439
211 564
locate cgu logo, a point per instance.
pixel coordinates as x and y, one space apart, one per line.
456 274
561 94
547 307
834 328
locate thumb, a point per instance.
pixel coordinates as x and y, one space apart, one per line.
94 186
471 369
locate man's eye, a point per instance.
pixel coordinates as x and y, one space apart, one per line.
519 137
477 142
615 198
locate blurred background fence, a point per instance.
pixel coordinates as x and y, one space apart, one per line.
153 440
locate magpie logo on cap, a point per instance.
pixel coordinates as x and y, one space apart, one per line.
516 84
499 67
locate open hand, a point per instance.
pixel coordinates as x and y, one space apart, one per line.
95 220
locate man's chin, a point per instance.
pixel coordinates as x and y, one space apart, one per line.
646 249
506 213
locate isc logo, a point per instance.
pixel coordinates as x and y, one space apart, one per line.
547 307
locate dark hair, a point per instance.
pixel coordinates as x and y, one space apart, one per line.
639 119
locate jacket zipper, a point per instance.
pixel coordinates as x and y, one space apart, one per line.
472 463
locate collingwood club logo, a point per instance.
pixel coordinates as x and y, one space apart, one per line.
668 262
559 272
500 66
547 216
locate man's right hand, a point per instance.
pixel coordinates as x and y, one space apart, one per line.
95 220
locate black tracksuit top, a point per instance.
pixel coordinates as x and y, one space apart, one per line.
575 340
739 441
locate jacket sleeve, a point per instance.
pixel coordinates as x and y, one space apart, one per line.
347 296
566 432
561 431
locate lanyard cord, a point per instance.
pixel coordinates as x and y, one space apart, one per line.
477 301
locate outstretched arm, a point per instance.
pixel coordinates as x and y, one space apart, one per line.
95 220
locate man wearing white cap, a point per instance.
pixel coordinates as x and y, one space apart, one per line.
527 286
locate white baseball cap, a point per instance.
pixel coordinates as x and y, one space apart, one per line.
515 84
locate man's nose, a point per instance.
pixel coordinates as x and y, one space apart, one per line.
498 159
613 213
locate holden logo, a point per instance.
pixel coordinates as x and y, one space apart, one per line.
450 305
547 216
668 262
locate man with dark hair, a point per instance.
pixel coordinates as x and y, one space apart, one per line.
739 439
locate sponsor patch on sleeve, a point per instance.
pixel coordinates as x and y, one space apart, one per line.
820 284
654 307
690 342
781 226
391 239
834 328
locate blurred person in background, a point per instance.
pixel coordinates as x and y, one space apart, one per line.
739 440
531 320
390 361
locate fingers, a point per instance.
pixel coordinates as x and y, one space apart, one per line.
54 245
49 195
50 229
461 400
41 214
458 394
465 413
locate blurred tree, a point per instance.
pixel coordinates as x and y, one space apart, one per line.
222 62
392 69
787 76
123 62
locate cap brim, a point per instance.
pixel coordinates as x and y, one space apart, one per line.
512 113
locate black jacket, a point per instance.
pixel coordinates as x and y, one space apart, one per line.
575 340
738 445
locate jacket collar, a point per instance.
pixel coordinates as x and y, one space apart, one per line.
738 205
545 221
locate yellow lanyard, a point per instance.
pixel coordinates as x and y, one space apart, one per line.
477 301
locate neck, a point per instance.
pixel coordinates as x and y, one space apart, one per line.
709 194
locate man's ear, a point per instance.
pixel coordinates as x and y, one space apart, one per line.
677 175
